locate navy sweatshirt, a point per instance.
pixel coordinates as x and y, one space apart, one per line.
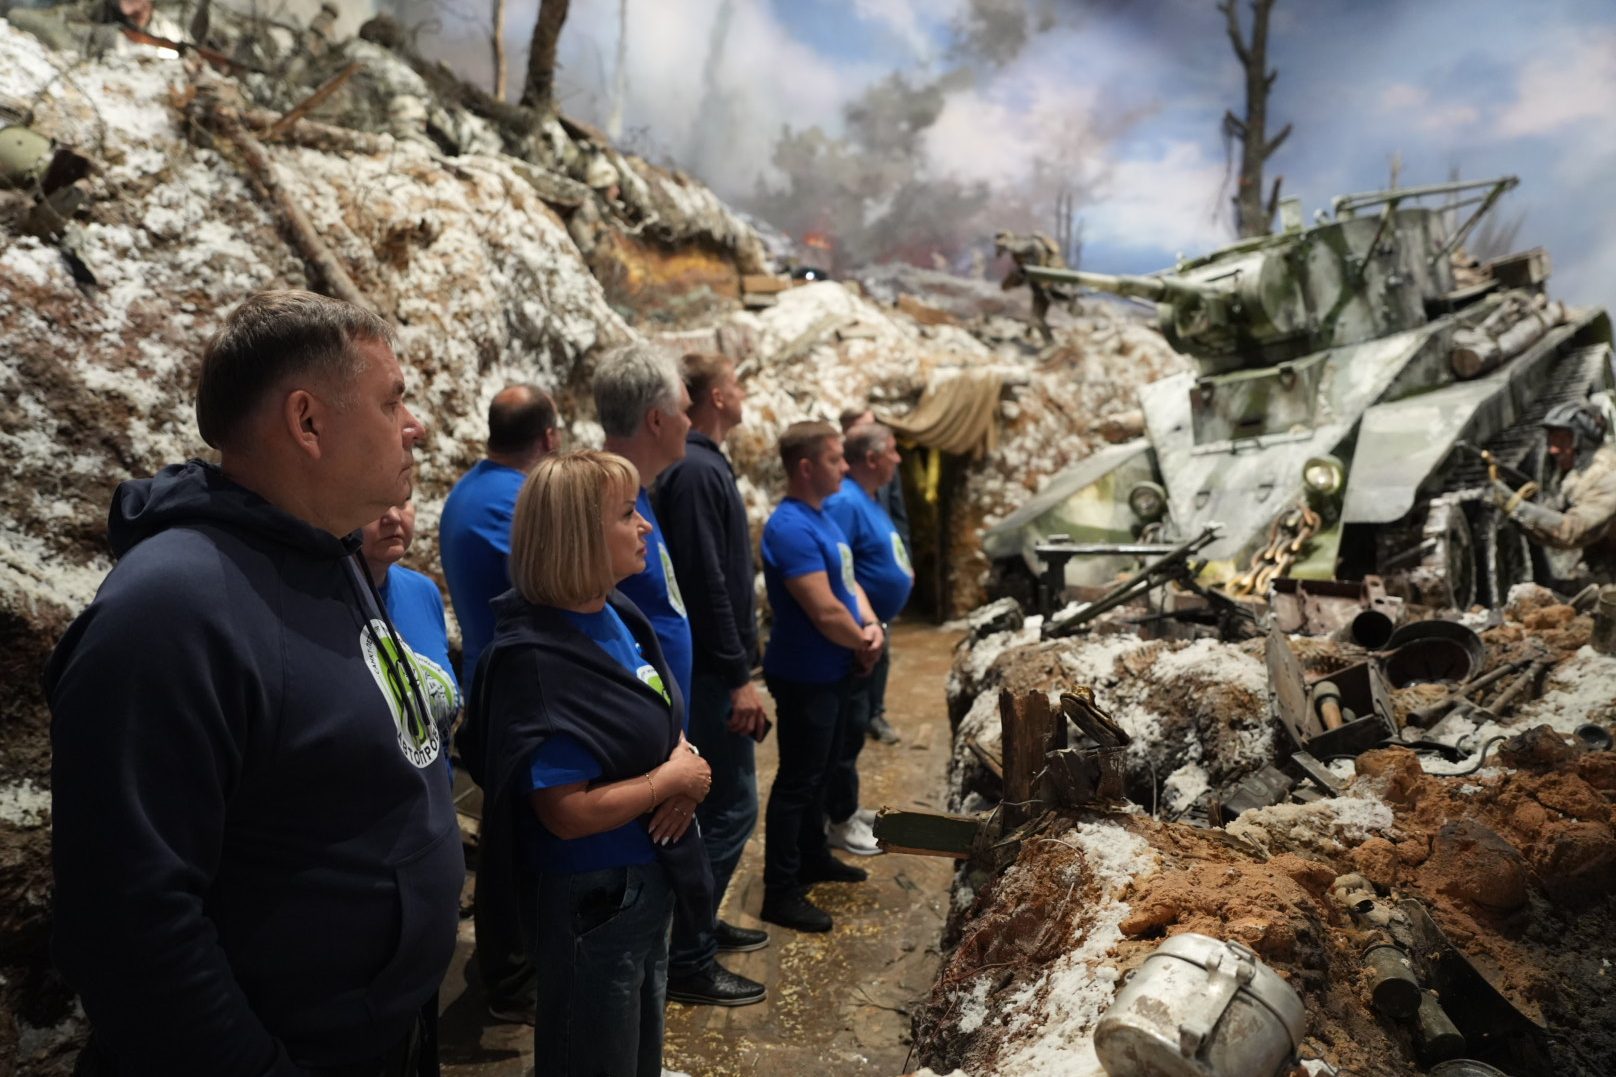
541 676
257 863
704 523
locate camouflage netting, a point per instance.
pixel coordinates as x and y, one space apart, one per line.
1516 860
476 258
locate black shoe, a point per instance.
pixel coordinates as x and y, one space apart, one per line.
882 731
830 870
796 912
737 940
507 1012
716 986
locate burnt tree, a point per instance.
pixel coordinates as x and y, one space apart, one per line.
497 41
1253 214
538 88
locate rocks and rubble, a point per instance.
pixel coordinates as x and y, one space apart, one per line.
1513 854
465 237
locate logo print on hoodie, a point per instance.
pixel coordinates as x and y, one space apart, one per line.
418 735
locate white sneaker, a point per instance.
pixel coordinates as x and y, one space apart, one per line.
866 816
854 835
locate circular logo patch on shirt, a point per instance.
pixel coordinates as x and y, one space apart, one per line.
418 737
648 675
900 554
849 581
675 599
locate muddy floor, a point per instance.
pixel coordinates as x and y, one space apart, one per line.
838 1003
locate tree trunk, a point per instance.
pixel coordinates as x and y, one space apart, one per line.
538 89
1253 214
497 39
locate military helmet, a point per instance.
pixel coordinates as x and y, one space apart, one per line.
1581 418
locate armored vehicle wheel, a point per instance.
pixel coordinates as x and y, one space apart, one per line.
1503 555
1446 576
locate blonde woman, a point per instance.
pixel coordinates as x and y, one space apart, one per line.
580 738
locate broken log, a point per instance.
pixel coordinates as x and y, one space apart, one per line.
926 833
312 101
1031 732
299 228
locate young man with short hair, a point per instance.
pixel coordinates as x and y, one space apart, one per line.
881 566
711 548
824 631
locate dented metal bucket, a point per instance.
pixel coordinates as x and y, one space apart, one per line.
1201 1007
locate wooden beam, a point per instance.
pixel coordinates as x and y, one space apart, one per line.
926 833
1030 733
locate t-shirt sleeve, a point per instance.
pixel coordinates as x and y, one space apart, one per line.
561 760
795 550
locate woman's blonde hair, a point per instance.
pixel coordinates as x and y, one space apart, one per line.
558 535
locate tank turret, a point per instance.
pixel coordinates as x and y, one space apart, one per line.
1346 280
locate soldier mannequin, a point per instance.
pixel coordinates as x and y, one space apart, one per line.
1032 249
1578 507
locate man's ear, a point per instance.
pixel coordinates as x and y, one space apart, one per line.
303 418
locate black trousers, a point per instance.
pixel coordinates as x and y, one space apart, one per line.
809 725
503 903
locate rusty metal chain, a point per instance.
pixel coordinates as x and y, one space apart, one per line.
1288 536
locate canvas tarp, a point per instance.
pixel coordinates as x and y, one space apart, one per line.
959 415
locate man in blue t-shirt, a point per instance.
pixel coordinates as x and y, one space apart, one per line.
881 566
474 534
474 540
643 407
824 632
890 498
641 402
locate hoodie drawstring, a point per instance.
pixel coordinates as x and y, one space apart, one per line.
414 701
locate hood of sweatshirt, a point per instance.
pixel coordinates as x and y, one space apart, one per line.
196 492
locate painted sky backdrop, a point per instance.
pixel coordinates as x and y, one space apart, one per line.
1133 92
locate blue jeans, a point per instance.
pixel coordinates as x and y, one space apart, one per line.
809 728
602 941
728 814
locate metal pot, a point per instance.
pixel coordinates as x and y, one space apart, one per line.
1465 1067
1201 1007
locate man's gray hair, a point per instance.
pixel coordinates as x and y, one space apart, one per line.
864 439
629 383
273 340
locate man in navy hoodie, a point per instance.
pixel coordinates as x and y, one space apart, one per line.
256 858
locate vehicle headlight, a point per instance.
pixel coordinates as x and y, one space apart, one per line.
1324 475
1148 501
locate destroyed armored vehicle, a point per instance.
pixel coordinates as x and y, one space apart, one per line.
1348 377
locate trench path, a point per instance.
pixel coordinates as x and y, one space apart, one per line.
838 1003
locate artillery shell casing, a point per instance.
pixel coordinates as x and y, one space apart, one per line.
1392 983
1436 1036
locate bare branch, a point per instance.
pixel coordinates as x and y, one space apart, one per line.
1234 125
1273 144
1232 19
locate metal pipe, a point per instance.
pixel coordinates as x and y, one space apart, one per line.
1392 984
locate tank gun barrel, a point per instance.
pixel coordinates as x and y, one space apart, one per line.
1156 289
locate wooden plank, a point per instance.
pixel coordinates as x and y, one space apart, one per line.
1029 735
763 283
986 757
926 833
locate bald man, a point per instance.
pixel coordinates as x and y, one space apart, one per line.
474 538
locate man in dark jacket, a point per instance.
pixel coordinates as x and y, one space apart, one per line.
257 863
704 523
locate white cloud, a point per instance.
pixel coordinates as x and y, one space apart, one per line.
1415 102
1560 87
908 20
1164 200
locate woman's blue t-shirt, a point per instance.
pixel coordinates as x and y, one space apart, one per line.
563 760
